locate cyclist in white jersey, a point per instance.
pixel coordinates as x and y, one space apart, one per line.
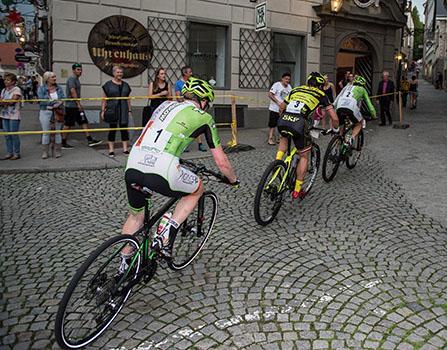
154 159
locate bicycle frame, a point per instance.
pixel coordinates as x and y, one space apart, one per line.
144 250
288 162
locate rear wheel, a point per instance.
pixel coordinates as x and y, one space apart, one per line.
194 232
332 158
268 198
96 293
314 164
352 160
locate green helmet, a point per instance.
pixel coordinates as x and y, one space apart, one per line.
202 89
315 79
359 80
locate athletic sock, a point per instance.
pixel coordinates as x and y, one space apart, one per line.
89 138
298 184
279 155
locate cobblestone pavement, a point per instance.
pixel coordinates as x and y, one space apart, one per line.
354 266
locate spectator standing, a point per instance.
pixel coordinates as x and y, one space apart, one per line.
342 83
117 112
404 88
28 87
51 112
277 93
10 115
413 92
439 80
386 86
159 88
330 91
35 86
74 110
2 83
186 74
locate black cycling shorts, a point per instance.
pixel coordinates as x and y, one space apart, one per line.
343 113
153 182
73 115
295 126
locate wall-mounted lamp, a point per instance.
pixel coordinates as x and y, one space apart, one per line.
336 6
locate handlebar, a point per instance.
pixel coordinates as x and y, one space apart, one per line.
201 169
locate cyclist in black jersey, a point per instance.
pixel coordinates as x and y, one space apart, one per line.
301 102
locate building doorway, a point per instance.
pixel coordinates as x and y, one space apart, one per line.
356 56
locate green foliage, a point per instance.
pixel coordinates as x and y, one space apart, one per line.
418 34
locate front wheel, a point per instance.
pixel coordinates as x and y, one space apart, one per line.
314 164
352 160
194 232
332 158
268 198
97 293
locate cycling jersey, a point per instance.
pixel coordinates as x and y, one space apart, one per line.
172 127
351 98
294 122
305 99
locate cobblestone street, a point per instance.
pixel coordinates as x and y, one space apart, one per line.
354 266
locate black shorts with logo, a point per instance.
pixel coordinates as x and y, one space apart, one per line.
295 126
153 182
343 113
73 115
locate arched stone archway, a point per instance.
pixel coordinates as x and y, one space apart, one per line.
356 54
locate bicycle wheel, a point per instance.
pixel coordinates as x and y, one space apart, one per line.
268 198
314 164
331 160
96 294
194 232
352 160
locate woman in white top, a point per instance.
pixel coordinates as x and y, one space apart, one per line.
51 112
10 114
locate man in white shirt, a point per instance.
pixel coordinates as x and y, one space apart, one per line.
277 93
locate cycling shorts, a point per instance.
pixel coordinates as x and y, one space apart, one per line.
175 182
344 113
295 126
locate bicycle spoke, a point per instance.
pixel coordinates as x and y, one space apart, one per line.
96 294
269 194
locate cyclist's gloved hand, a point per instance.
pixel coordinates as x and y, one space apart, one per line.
235 184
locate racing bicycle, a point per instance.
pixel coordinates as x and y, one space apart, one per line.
279 179
341 150
98 291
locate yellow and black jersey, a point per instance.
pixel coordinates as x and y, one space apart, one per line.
305 99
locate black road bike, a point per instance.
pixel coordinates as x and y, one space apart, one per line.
279 179
340 150
99 289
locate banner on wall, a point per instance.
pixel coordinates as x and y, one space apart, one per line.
123 41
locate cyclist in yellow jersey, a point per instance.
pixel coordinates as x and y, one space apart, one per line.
294 121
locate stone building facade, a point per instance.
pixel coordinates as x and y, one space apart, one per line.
244 62
435 41
364 38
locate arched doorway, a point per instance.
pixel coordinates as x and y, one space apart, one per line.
355 55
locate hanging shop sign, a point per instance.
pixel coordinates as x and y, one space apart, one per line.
123 41
261 16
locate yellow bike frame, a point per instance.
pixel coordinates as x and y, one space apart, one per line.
288 162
